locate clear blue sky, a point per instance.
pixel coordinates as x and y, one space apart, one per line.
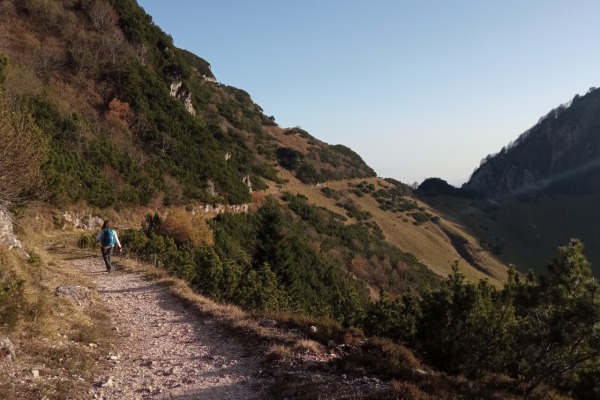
418 88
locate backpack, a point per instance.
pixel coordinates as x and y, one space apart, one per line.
108 237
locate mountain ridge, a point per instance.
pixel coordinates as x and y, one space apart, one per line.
560 146
537 192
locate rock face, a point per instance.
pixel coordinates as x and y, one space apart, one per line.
248 183
81 220
562 145
7 236
221 208
182 94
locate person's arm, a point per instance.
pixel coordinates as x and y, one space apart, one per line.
99 235
117 239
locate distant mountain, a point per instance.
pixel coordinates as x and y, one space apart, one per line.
536 193
562 148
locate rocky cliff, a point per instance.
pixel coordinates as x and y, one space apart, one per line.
563 145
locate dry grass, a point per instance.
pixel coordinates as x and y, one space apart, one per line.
52 334
427 242
279 353
184 227
308 346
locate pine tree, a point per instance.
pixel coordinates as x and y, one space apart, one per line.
273 246
559 335
232 274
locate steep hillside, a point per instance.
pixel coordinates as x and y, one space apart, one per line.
526 230
407 223
123 118
537 192
131 119
558 151
102 118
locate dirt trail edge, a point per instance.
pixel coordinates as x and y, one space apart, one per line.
165 350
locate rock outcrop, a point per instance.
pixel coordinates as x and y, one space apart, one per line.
248 183
7 350
181 93
80 294
7 235
221 208
81 221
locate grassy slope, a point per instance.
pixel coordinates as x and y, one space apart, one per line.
66 343
428 242
530 230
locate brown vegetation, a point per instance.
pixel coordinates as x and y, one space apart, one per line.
53 335
22 152
185 227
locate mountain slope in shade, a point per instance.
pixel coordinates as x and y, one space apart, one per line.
561 148
538 192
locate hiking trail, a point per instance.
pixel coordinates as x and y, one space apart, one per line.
165 350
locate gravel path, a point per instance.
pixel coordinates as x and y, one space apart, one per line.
166 351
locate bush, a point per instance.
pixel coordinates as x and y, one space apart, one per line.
331 193
420 217
11 286
382 357
87 241
289 158
23 150
184 228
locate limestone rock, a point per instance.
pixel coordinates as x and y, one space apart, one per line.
81 294
248 183
107 382
181 93
7 350
81 221
7 236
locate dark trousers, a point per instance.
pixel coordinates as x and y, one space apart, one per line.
106 253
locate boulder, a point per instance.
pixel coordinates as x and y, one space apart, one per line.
80 294
7 350
7 236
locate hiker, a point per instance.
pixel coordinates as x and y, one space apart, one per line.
108 238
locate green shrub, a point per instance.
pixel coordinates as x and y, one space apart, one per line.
289 158
87 241
420 217
331 193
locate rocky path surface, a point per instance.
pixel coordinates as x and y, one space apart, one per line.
165 350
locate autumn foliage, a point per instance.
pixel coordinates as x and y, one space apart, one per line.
22 152
184 227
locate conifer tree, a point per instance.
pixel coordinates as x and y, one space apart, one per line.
260 290
210 275
232 273
559 334
272 244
